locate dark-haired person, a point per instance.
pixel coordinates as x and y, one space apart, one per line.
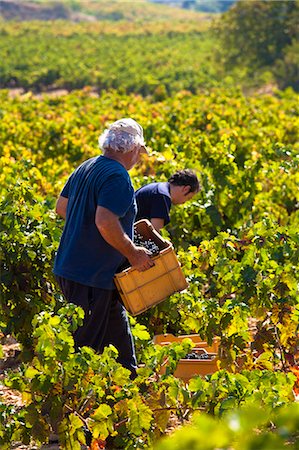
98 205
154 200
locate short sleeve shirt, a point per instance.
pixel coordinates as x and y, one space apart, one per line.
154 201
83 254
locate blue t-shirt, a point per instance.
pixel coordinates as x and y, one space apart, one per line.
153 201
83 254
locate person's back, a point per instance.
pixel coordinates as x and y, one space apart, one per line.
83 254
154 201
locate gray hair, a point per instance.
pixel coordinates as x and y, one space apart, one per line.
124 135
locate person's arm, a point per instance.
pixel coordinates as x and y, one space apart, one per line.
61 206
110 228
157 223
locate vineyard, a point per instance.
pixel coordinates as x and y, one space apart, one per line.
237 242
155 59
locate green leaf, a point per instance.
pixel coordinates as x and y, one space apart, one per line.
140 416
264 361
121 376
100 430
75 423
54 321
140 332
102 412
31 372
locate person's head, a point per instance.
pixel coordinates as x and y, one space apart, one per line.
124 141
184 185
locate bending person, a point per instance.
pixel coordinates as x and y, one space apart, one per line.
154 200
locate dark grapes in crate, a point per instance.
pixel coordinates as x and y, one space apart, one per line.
202 355
140 241
149 244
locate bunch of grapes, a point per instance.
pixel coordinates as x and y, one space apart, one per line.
149 244
195 355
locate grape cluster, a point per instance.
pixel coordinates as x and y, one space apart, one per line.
149 244
194 355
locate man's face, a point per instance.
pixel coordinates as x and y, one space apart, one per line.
133 158
182 195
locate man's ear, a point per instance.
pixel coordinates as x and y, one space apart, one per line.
186 190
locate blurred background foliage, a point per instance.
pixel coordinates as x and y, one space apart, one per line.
143 47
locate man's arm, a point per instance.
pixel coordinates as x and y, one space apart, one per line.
61 206
157 223
110 228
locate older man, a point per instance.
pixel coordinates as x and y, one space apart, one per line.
99 208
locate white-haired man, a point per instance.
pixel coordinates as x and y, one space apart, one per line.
99 209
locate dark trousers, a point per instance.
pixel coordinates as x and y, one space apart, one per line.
105 321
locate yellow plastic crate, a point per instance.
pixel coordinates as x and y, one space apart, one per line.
140 291
168 338
188 368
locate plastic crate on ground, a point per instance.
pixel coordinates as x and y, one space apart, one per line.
187 368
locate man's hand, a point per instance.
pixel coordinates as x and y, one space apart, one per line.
141 259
